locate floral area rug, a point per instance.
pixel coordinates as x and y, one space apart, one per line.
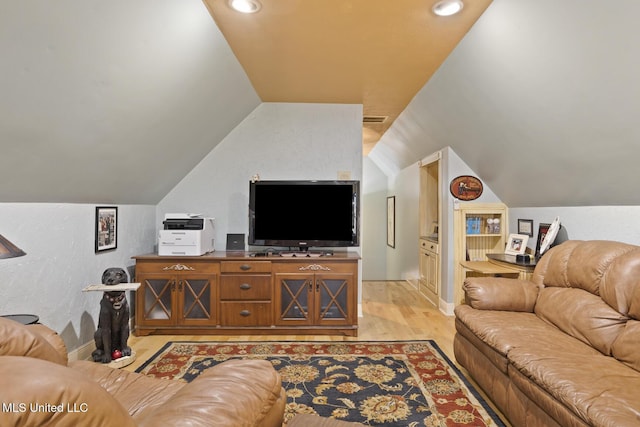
408 383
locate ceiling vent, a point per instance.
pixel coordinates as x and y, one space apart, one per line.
374 119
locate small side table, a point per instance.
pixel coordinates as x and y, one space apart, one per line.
125 360
487 268
25 319
524 268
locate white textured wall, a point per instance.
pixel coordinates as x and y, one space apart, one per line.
402 261
584 222
60 261
276 141
374 223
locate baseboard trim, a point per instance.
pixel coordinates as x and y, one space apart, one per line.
83 352
446 307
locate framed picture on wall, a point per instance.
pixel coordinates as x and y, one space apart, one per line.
106 228
391 221
525 226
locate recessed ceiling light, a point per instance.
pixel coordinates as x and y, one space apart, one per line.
245 6
447 7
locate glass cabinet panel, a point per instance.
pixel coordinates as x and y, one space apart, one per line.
333 298
197 298
294 298
157 299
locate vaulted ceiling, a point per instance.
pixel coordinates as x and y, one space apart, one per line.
371 52
113 101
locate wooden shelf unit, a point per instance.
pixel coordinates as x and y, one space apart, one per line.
233 293
474 247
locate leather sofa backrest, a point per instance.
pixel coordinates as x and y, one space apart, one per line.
591 290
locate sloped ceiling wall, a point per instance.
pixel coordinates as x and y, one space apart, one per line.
115 102
541 99
111 102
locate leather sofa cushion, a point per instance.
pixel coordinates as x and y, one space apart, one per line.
19 340
503 331
212 398
28 380
138 394
599 389
605 268
582 315
497 359
584 264
627 347
552 411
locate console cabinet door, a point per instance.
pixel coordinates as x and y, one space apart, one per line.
174 294
156 299
196 299
314 299
333 299
293 297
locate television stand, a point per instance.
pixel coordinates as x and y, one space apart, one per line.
303 254
237 294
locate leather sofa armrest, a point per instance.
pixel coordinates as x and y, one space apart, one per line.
52 338
233 393
37 392
500 293
17 339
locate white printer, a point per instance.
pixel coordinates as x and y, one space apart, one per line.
186 234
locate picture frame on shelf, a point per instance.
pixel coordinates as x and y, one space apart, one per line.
106 228
543 229
525 226
516 244
391 221
550 236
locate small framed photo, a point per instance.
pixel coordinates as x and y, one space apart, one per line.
516 244
106 228
525 226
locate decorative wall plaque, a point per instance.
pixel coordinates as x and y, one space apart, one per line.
465 187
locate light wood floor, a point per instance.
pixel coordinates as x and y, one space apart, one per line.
392 310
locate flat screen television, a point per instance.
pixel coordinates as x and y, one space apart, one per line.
304 214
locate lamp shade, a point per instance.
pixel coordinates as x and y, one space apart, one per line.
8 249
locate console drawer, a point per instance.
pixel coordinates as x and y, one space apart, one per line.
245 266
177 266
245 314
245 287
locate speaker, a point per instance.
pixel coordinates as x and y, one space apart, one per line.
235 242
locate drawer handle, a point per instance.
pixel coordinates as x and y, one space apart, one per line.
245 286
245 267
245 313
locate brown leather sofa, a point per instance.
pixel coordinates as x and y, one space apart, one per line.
40 388
564 348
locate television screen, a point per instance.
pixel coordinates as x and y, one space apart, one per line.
304 213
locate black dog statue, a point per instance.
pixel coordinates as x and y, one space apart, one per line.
113 324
